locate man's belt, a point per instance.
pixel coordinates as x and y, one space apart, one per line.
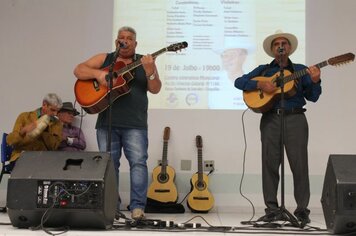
288 111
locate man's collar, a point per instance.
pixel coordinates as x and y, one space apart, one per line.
274 63
39 112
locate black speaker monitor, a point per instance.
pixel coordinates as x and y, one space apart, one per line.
75 189
339 194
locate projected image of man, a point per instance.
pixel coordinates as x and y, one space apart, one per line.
222 93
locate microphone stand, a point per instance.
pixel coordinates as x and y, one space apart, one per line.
286 215
109 78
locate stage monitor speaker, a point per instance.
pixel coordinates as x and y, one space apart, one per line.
339 194
56 189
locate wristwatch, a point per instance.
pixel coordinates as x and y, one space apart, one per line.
152 77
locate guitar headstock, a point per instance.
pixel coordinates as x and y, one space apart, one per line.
199 141
166 133
342 59
177 46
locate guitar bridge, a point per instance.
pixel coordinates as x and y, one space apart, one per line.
200 198
162 190
260 94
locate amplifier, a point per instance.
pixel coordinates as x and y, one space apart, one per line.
75 189
339 194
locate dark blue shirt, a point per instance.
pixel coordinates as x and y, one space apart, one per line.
306 89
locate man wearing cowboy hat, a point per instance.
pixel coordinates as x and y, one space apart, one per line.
280 46
72 137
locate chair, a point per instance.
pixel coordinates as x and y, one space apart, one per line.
6 151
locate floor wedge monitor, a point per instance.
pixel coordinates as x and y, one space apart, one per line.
339 194
57 189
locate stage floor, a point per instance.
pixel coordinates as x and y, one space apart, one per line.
217 219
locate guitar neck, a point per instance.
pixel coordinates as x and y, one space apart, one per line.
200 165
164 158
138 63
303 72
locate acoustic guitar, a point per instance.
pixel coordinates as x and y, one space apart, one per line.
260 101
200 199
92 96
162 188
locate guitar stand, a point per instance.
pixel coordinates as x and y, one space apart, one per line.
288 217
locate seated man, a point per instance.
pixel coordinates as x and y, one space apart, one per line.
37 130
72 136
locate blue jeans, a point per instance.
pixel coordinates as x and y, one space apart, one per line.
134 143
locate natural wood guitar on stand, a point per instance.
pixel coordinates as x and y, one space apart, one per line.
260 101
200 199
92 96
163 188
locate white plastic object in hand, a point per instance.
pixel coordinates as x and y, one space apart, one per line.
42 124
70 140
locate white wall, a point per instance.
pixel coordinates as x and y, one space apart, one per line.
41 41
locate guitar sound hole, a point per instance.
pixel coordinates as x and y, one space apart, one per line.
200 185
163 178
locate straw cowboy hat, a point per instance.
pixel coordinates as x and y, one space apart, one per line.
267 43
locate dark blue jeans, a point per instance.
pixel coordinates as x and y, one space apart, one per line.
134 143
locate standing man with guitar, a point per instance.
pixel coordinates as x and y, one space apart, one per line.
280 46
129 112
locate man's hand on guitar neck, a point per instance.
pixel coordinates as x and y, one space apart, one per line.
314 73
148 64
266 86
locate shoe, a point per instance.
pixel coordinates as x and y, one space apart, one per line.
138 214
303 217
272 216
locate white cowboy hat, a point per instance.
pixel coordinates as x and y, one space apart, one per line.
267 43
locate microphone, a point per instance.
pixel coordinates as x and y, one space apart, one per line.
281 49
118 47
122 44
